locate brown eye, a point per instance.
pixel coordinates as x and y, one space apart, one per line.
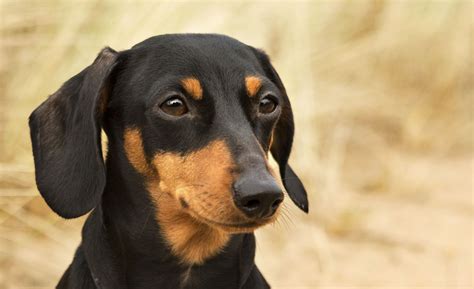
267 105
174 106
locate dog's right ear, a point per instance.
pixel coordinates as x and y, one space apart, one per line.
65 133
283 138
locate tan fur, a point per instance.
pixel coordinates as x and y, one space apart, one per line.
203 180
252 85
134 150
272 164
193 197
271 141
193 87
274 169
190 238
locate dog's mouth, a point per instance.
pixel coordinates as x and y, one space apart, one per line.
233 227
219 212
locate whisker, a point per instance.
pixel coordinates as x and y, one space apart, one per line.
284 220
150 211
285 215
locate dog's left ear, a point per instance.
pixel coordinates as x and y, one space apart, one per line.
283 138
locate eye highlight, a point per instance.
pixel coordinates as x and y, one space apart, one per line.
267 105
174 106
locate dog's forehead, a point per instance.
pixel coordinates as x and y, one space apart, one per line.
209 44
201 55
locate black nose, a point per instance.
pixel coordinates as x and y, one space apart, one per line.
257 198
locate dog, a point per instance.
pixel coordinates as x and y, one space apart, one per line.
199 130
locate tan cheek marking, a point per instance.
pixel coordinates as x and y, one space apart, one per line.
193 87
133 144
272 164
201 179
252 84
208 166
271 141
180 176
274 169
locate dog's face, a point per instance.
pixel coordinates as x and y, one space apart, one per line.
203 119
200 128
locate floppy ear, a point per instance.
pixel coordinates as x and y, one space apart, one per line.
283 138
65 133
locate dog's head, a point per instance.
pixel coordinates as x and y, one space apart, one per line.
202 119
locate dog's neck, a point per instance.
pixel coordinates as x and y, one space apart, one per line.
137 250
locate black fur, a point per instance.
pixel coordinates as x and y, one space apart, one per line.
122 246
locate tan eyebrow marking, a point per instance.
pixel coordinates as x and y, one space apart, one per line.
193 87
252 84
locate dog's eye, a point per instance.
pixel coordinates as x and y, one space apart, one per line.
174 106
267 105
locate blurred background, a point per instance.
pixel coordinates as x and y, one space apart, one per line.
383 98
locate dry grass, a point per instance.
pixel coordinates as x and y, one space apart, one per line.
383 96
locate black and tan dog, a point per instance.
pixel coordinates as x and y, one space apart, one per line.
200 130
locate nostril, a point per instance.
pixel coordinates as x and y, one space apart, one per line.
276 203
252 204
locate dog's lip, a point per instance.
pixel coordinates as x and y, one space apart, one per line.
235 225
242 225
